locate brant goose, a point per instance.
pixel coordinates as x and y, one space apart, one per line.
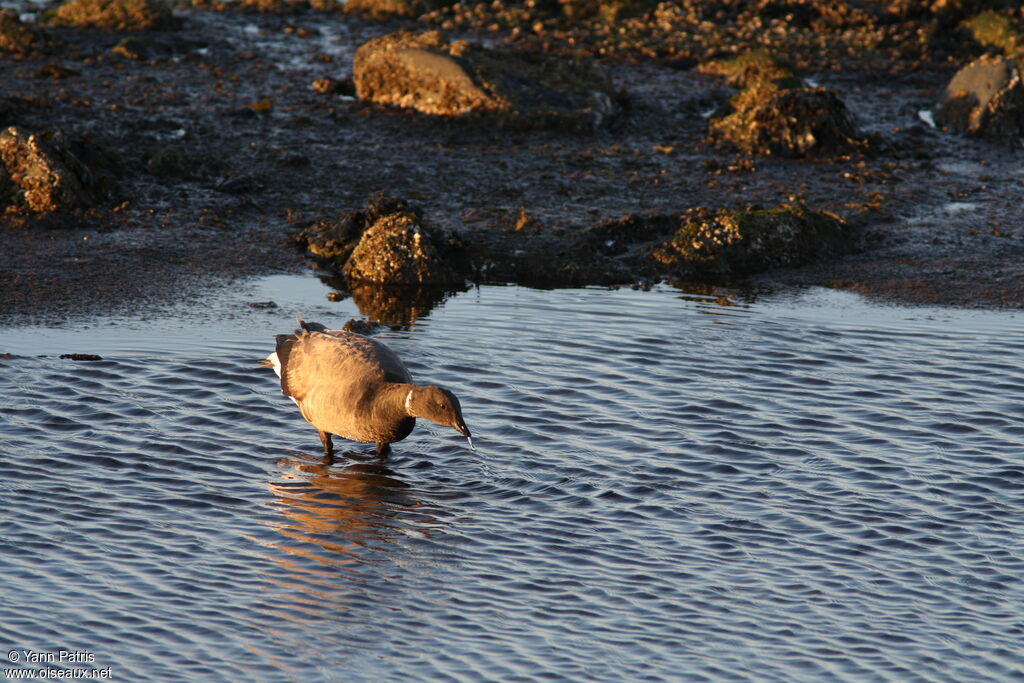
357 388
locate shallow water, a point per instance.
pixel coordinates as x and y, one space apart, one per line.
667 486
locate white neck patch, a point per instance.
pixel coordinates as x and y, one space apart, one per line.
408 403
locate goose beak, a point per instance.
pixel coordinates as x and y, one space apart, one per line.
464 430
265 362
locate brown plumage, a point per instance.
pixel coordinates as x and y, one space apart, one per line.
356 387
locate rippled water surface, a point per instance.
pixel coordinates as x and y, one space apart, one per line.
666 487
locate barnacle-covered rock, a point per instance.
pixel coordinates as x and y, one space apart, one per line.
786 118
387 242
397 250
426 72
43 176
113 15
726 243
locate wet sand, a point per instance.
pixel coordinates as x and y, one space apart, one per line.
256 154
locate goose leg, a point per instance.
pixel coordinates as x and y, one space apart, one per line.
383 449
325 439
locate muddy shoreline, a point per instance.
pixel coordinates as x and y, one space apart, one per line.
218 150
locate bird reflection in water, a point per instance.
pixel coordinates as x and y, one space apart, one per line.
334 523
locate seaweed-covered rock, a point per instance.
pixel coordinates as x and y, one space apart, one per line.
16 36
785 118
113 15
985 98
424 71
44 176
724 243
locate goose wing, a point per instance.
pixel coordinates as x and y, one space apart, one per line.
335 376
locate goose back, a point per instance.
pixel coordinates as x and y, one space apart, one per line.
344 383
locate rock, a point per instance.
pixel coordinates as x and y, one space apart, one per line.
382 9
243 183
81 356
397 250
272 6
334 86
527 223
152 45
113 15
992 29
333 241
548 264
16 36
325 85
985 98
629 234
326 5
785 118
385 243
728 243
132 48
170 163
363 327
43 176
56 71
748 68
424 71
